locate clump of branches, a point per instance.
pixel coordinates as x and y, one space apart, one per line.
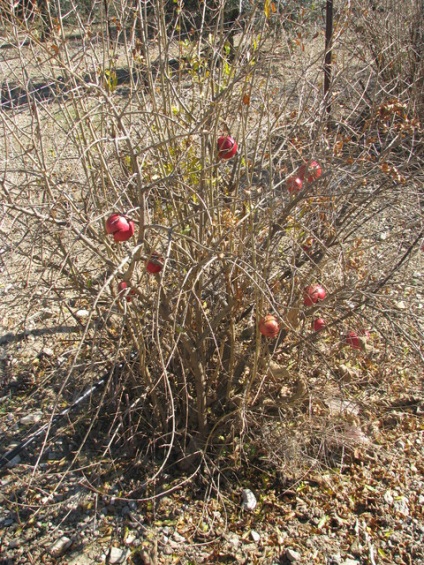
128 123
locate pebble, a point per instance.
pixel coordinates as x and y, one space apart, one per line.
31 418
388 497
249 499
255 536
234 540
82 313
293 555
129 540
401 506
356 548
178 537
350 562
13 544
60 546
118 555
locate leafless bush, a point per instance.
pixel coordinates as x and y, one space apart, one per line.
393 35
121 123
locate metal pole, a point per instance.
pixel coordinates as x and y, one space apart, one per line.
328 53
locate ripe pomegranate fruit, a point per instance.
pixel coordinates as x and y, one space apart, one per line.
318 324
121 227
154 263
227 147
294 184
269 326
313 170
122 288
356 339
313 294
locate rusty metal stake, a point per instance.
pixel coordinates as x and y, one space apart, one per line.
328 54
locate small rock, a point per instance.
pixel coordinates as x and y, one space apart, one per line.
356 548
293 555
31 418
47 352
255 536
400 305
234 540
382 236
388 497
178 537
8 522
249 499
60 546
118 555
401 505
129 540
350 562
13 544
82 313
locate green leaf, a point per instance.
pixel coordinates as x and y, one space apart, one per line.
111 79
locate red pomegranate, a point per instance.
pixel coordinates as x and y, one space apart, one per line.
122 288
357 340
313 294
227 147
154 263
121 227
318 324
269 326
294 184
313 169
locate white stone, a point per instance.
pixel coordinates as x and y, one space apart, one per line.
249 499
388 497
293 555
31 418
82 313
234 540
129 540
60 546
255 536
118 555
401 505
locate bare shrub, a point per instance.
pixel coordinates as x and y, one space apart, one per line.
128 123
